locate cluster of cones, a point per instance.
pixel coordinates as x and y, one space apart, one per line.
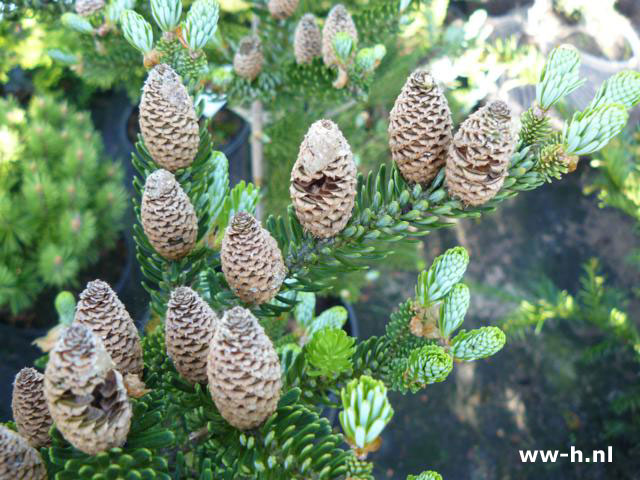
421 141
84 389
97 362
309 41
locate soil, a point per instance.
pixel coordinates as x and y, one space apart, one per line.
472 425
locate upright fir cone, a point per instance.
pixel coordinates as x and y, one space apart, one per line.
338 20
420 128
251 260
101 310
480 153
168 217
88 7
244 370
189 328
85 392
248 60
307 43
281 9
19 460
323 180
168 119
30 409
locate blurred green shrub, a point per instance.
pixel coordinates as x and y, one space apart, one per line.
61 202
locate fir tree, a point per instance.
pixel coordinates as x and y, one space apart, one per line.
259 416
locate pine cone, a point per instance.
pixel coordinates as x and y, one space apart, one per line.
243 370
101 310
480 153
30 409
248 60
251 260
323 180
189 328
18 460
87 7
168 217
168 120
420 128
307 43
338 20
85 393
281 9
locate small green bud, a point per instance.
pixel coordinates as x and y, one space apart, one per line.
479 343
445 271
590 130
365 410
329 352
343 45
114 10
622 88
202 22
334 317
62 57
166 13
137 30
453 309
426 365
305 308
428 475
368 59
66 307
76 22
560 76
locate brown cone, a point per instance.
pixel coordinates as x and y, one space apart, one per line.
29 407
244 370
248 60
168 217
420 128
251 260
323 180
281 9
168 120
479 156
189 328
85 393
307 42
101 310
18 460
338 20
88 7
